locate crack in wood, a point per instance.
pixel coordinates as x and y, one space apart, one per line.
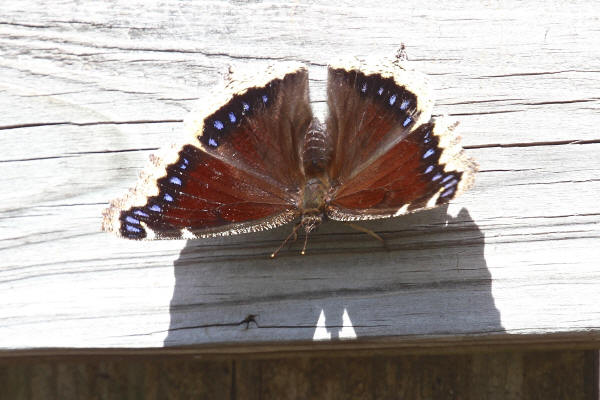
545 103
26 25
562 216
476 113
553 182
509 170
532 144
447 284
234 324
246 321
535 73
49 94
82 153
476 102
34 159
158 50
91 123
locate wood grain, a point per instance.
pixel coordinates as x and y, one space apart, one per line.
517 375
89 90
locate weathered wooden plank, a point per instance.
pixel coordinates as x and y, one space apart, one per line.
89 89
515 375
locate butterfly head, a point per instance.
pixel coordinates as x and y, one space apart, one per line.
311 221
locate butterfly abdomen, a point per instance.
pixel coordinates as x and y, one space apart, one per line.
316 150
316 156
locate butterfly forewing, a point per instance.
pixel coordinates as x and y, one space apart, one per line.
263 129
239 172
369 112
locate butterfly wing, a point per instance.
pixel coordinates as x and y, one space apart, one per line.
390 157
239 170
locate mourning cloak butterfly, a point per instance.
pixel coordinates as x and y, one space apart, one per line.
255 158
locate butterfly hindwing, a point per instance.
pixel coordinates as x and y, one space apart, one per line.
396 159
369 112
238 172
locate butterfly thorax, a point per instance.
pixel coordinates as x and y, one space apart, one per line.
313 203
316 156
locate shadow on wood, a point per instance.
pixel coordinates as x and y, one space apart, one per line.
431 280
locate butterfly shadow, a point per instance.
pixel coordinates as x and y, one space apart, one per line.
429 278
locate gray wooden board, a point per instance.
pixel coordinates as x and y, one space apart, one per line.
88 89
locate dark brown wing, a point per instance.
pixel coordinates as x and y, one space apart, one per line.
239 171
387 161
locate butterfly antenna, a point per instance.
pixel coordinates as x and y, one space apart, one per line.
293 233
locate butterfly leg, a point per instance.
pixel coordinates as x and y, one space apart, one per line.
310 222
303 252
293 233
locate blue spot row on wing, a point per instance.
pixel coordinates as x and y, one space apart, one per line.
150 214
384 90
450 185
241 107
131 226
141 213
428 153
170 187
432 171
183 164
131 220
